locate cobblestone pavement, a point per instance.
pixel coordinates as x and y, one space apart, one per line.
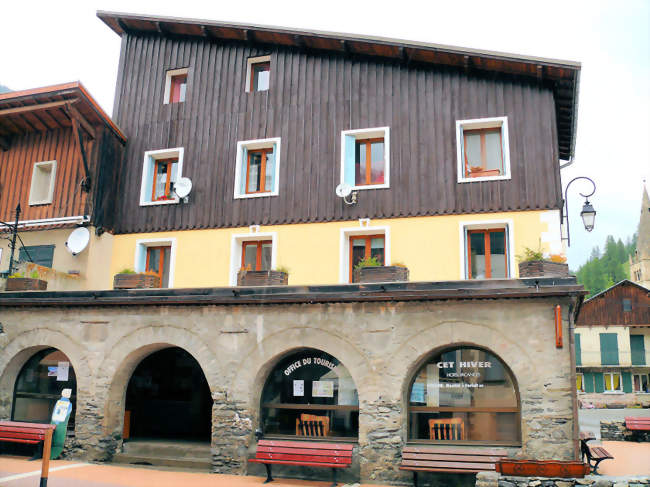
18 472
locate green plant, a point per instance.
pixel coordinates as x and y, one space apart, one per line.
368 262
35 275
282 268
530 255
127 270
16 274
399 264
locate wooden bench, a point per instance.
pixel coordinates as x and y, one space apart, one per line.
303 453
449 459
595 455
637 425
31 433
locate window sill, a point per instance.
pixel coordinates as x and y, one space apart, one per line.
371 186
161 202
255 195
40 203
613 392
485 178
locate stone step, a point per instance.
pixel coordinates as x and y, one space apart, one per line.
188 463
167 449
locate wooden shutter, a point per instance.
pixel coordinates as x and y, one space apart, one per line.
578 350
608 349
40 254
637 348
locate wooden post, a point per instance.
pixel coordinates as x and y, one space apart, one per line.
47 452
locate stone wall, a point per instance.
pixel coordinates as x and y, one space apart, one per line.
493 479
614 401
381 344
616 431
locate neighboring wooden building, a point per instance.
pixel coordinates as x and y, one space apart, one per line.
612 339
59 156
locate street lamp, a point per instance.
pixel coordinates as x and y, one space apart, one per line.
588 214
14 234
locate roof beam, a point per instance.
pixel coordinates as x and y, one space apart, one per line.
75 115
33 108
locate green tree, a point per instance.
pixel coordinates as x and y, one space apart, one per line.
604 270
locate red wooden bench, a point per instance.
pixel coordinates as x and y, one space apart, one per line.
31 433
450 459
637 424
303 453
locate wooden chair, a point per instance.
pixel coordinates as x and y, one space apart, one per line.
447 429
312 425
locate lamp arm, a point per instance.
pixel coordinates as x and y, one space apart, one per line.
566 204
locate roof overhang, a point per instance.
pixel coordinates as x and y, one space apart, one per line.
564 75
50 108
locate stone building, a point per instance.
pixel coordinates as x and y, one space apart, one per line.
640 261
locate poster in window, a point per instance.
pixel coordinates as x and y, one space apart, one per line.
63 371
52 371
322 388
298 388
418 392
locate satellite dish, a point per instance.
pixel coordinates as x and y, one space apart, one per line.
182 187
78 240
343 190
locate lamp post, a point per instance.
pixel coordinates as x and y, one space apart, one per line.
588 214
14 234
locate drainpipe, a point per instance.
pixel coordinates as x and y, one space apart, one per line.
574 395
567 163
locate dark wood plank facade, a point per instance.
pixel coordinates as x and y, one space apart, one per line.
313 96
606 308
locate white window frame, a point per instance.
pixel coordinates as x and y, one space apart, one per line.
506 223
371 133
236 242
582 382
249 70
150 158
140 257
482 123
35 174
344 257
240 162
168 82
620 383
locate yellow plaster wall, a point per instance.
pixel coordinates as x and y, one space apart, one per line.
590 343
429 246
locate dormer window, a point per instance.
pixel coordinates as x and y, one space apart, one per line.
258 74
175 85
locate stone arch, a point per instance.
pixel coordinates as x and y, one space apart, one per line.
130 350
24 346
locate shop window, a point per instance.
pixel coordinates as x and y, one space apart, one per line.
641 383
482 149
310 394
161 169
257 168
175 85
613 382
487 254
39 385
364 247
41 191
38 254
257 255
464 394
258 75
365 158
157 256
158 263
580 386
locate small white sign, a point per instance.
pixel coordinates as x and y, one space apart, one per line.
63 371
299 388
322 388
52 371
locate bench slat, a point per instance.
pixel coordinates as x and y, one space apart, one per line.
18 424
500 452
637 424
598 452
303 458
34 431
450 458
17 440
306 444
447 470
22 434
304 451
305 464
459 465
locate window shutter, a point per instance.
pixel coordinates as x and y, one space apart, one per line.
148 178
242 173
638 349
461 141
578 350
270 169
588 378
608 349
39 254
142 259
599 381
174 174
627 382
348 169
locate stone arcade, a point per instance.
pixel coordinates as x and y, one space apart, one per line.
373 348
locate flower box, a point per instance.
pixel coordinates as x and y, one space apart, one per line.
382 273
25 284
262 278
136 281
483 173
543 268
542 468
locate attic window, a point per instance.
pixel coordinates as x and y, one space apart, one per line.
627 305
41 191
175 85
258 74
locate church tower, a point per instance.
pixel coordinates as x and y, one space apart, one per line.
640 261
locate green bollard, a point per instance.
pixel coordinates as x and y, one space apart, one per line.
60 417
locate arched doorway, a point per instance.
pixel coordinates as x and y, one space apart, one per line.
464 394
168 397
310 393
39 385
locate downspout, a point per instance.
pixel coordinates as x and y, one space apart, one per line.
567 163
574 394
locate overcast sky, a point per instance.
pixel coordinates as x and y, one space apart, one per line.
43 43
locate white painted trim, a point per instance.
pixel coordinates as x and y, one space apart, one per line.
344 246
251 145
236 249
142 244
51 221
168 82
509 225
50 191
369 134
149 158
482 123
249 63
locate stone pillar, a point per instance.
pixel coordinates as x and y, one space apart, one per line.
232 429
